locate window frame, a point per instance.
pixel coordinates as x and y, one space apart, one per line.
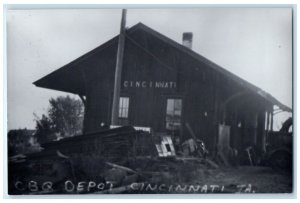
123 111
174 109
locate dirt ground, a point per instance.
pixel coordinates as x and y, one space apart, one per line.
237 180
151 176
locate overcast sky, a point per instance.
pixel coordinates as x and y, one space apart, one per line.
253 43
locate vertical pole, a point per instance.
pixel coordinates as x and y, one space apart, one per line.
268 120
216 115
272 115
118 72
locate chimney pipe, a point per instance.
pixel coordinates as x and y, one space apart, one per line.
187 39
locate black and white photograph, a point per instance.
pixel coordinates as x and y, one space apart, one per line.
179 100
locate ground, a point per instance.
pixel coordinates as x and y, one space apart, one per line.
145 176
262 179
194 177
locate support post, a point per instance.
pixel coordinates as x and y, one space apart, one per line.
272 115
118 71
216 115
268 120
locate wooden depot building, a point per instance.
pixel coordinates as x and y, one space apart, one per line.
169 88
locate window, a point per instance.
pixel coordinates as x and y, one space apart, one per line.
123 107
173 115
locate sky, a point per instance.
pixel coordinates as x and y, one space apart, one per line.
253 43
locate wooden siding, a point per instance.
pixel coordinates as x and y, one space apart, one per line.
148 59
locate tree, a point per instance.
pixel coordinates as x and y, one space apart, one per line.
44 130
66 114
21 141
64 119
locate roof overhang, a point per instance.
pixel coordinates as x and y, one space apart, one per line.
66 79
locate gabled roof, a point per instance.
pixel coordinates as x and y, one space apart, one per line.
57 79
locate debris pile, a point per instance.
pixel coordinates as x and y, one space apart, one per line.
120 160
